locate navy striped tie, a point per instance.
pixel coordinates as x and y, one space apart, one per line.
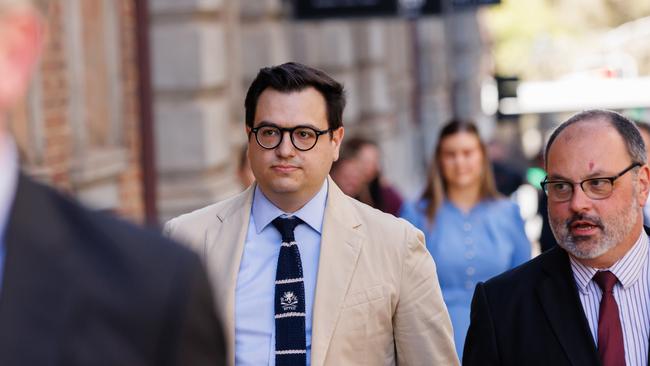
290 342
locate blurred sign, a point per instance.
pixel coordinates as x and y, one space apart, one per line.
464 3
320 9
323 9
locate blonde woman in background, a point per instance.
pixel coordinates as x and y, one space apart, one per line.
472 232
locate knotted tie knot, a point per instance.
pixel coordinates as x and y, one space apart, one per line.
606 281
285 226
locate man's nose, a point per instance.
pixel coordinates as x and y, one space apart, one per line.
286 147
579 200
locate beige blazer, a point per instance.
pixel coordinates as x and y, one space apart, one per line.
377 301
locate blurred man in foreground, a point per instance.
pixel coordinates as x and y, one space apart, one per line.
306 274
80 288
586 301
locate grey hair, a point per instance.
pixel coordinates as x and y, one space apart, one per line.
643 126
624 126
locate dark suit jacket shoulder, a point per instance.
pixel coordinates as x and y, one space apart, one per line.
530 315
81 288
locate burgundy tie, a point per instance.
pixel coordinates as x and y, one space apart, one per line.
610 334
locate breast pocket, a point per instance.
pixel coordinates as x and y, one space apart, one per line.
364 296
364 329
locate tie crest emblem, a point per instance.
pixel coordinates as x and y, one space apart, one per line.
289 301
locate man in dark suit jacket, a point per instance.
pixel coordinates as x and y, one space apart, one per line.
78 287
552 310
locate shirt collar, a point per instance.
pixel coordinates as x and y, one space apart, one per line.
8 179
264 211
627 269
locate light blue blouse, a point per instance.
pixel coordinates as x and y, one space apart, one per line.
468 248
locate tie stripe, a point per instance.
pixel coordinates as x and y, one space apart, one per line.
291 280
291 352
288 315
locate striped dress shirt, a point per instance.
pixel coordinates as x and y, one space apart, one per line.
632 294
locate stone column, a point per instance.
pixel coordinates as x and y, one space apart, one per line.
403 155
465 53
194 60
436 91
386 80
329 45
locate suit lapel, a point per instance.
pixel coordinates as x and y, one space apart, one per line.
559 298
35 297
340 247
224 246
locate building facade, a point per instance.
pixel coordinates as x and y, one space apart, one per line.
78 129
81 127
206 53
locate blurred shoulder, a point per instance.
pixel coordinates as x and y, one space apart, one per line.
414 206
501 205
414 211
96 242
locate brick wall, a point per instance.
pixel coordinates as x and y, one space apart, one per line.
77 130
131 202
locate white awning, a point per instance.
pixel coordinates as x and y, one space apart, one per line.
571 95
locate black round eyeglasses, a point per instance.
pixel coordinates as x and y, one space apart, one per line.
303 138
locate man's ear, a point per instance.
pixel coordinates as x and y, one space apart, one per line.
337 138
22 35
644 184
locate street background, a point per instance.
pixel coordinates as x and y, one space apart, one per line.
137 107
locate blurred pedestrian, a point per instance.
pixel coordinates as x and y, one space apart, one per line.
471 231
309 275
78 287
359 171
345 173
586 301
506 177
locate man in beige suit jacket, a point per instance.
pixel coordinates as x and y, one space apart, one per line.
376 301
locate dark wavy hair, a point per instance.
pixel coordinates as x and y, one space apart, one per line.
291 77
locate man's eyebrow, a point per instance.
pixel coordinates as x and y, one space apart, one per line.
596 174
550 177
268 123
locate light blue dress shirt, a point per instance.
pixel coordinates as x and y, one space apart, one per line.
8 184
470 247
254 306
